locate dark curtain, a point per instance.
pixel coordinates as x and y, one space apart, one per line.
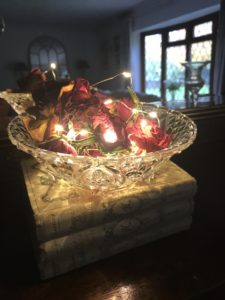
219 75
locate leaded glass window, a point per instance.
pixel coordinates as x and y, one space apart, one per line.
203 29
46 50
202 51
175 73
153 53
177 35
165 50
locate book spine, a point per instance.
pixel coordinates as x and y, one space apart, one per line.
52 265
56 224
111 233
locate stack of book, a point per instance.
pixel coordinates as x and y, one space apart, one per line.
72 227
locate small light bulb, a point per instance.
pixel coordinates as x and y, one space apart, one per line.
71 134
143 123
83 132
127 74
108 101
145 127
110 136
133 144
134 111
153 115
59 128
53 65
134 147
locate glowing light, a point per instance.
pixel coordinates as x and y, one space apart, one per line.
69 161
134 111
71 135
57 160
53 66
108 101
133 144
145 127
126 74
83 132
59 129
153 115
143 123
110 136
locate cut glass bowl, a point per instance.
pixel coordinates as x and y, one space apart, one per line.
109 172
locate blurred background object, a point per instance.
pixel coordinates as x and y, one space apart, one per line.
2 25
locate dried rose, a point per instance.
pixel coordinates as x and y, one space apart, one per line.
124 108
149 137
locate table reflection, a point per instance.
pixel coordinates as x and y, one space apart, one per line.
203 102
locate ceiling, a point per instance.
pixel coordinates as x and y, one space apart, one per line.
64 11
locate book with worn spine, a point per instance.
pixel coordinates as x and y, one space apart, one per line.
74 227
59 209
65 254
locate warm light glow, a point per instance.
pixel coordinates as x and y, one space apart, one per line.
70 161
57 160
110 136
108 101
145 127
71 135
83 132
127 74
59 128
133 144
53 66
153 115
134 111
143 123
134 147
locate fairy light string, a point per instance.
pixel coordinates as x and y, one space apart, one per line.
83 138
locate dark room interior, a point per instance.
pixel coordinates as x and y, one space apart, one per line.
100 40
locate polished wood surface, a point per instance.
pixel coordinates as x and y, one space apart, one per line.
188 265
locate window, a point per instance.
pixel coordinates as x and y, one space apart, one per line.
46 50
164 51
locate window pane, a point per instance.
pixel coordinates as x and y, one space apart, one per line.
202 51
177 35
52 56
34 59
153 53
175 87
203 29
61 58
44 57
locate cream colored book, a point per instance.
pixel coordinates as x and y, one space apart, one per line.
58 209
59 257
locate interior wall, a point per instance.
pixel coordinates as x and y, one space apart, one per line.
114 51
14 44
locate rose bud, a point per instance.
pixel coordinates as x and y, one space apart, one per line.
124 109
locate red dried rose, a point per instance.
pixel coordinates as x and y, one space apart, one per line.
148 135
80 108
124 108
